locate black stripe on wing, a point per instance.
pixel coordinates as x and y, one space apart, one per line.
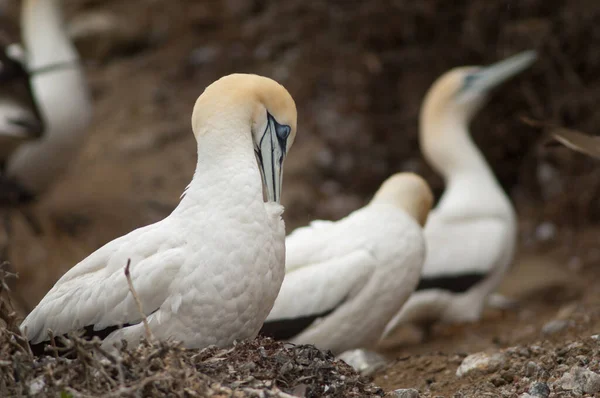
285 329
455 283
88 333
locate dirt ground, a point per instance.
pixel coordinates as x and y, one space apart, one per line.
358 72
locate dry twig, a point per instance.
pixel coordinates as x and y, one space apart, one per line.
149 334
572 139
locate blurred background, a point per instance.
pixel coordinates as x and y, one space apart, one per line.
358 71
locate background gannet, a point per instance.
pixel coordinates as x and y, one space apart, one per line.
19 118
209 273
61 96
346 279
471 233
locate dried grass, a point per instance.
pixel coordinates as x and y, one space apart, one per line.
255 368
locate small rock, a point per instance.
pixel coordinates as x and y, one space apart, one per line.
403 393
363 361
555 326
566 311
580 381
37 385
481 362
531 369
539 390
497 381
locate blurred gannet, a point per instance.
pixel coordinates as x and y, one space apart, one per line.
209 273
471 233
19 117
345 280
61 101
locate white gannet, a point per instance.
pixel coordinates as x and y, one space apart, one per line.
471 233
345 280
209 273
61 96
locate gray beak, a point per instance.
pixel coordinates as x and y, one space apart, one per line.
491 76
271 153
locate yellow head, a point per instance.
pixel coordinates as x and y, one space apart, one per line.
253 104
462 91
409 192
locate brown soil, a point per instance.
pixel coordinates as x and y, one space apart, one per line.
358 72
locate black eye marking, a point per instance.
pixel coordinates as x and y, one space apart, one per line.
282 131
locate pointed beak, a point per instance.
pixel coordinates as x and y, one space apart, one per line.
271 153
493 75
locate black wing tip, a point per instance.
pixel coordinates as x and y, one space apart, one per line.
455 283
87 333
285 329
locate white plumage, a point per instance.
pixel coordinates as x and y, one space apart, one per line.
353 275
209 272
471 233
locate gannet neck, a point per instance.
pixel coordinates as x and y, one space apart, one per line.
448 147
44 34
471 186
226 172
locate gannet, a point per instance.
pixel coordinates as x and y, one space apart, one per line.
345 280
61 99
471 233
209 273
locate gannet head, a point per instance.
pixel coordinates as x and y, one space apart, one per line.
409 192
462 91
258 106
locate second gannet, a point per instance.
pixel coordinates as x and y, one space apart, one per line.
209 273
61 96
345 280
471 233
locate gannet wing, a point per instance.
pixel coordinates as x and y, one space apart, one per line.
460 253
95 293
303 241
316 290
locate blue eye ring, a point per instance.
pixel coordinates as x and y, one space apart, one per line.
283 131
469 80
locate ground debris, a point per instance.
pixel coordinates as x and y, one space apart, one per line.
256 368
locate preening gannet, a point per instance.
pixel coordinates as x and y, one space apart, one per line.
345 280
471 233
209 273
62 102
